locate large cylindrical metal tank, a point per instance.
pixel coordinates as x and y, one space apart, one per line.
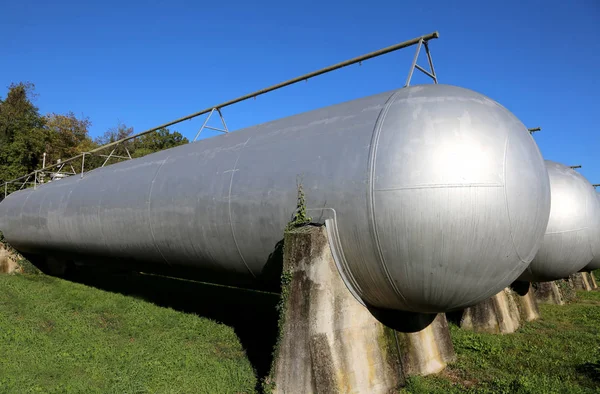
567 244
438 195
595 241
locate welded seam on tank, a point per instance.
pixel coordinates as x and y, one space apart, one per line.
510 226
439 186
149 213
21 211
100 220
567 231
371 190
40 218
237 246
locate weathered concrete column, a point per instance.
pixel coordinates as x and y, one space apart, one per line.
329 342
523 295
593 281
498 314
548 293
581 281
427 351
8 261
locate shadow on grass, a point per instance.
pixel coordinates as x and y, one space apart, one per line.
590 370
250 313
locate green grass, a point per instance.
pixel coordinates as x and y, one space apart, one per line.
58 336
559 353
63 337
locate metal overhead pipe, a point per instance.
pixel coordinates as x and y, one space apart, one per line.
574 167
596 185
383 51
534 129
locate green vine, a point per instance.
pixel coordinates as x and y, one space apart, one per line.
566 290
300 216
268 383
299 219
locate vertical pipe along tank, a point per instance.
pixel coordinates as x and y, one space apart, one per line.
572 229
440 198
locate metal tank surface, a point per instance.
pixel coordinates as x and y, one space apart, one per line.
595 241
435 196
567 244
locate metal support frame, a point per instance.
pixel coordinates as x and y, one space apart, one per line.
204 125
534 129
431 73
596 185
574 167
82 164
419 41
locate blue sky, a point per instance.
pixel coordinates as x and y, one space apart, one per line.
145 63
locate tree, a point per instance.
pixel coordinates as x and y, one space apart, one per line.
68 136
140 146
157 141
22 133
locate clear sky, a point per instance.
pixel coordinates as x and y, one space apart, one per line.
144 63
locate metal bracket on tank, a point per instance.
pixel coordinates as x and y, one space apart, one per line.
431 73
204 126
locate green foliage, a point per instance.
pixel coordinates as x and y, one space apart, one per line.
568 293
559 353
61 337
25 136
157 141
67 136
300 216
22 133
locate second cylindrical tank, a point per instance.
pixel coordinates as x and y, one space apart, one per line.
595 241
568 242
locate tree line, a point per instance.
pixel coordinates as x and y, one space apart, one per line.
26 135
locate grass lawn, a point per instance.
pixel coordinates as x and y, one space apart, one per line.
559 353
62 337
58 336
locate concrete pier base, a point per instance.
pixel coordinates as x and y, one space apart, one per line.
329 342
498 314
8 261
593 281
581 281
548 293
427 351
523 296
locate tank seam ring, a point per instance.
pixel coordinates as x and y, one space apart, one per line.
371 191
237 246
510 226
149 204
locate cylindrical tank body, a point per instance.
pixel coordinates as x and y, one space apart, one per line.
567 245
595 241
440 198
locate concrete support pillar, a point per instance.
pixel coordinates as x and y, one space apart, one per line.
427 351
593 281
523 296
581 281
548 293
329 342
8 261
498 314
